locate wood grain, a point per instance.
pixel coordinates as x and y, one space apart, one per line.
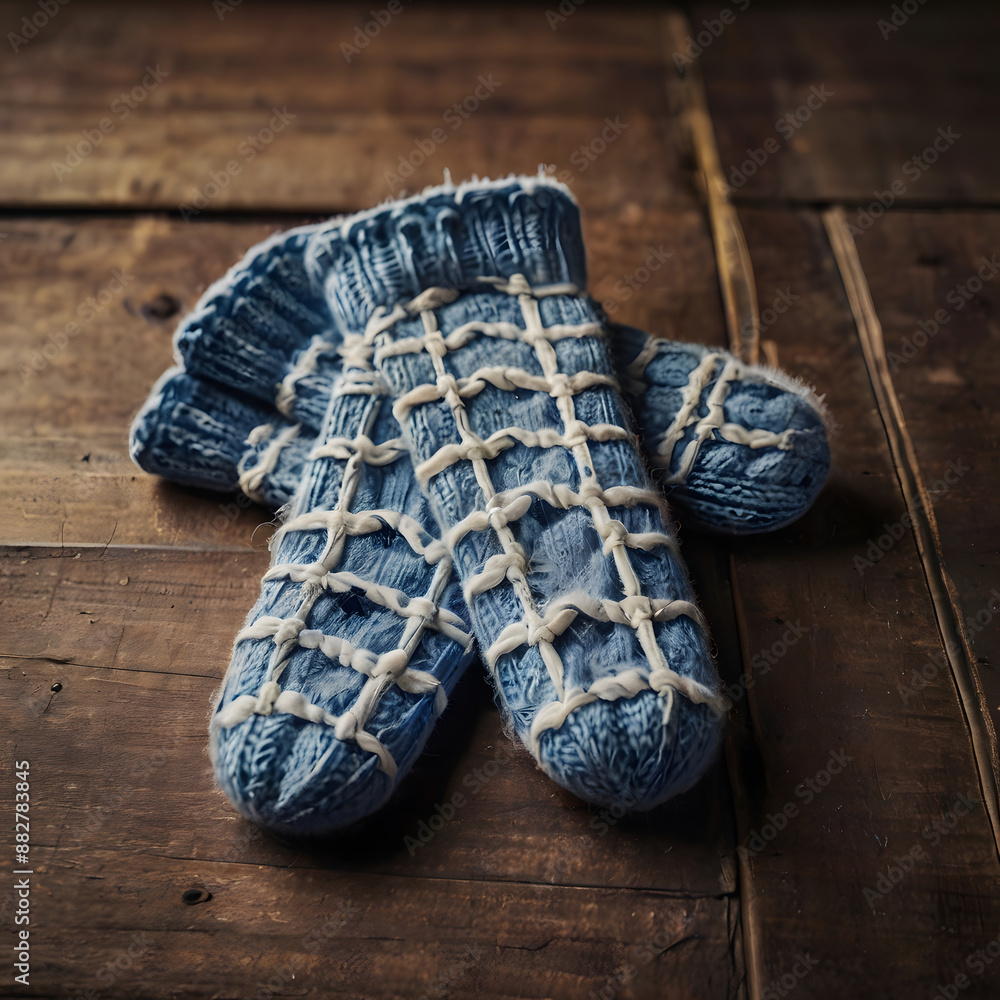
833 691
888 96
933 279
545 97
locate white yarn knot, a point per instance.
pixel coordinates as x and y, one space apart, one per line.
346 726
540 633
435 345
314 572
560 385
266 697
288 629
447 385
421 607
636 609
391 664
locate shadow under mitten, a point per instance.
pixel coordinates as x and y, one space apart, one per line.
504 386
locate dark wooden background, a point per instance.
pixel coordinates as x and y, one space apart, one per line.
120 595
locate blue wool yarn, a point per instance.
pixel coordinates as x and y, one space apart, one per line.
200 433
264 329
740 448
505 389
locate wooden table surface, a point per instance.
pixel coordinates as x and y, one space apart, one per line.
845 844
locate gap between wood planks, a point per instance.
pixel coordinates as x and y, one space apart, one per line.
943 595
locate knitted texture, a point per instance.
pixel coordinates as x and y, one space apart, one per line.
346 659
473 299
741 448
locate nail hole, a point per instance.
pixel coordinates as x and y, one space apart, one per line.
162 307
194 896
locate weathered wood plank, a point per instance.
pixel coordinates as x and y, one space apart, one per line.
317 161
584 65
933 279
312 933
879 102
66 402
844 782
138 640
483 92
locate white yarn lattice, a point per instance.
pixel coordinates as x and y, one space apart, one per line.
511 565
713 424
415 614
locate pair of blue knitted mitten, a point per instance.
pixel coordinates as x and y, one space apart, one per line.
427 391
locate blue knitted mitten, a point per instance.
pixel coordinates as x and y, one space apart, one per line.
504 387
346 660
262 344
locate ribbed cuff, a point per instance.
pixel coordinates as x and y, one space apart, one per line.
448 236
